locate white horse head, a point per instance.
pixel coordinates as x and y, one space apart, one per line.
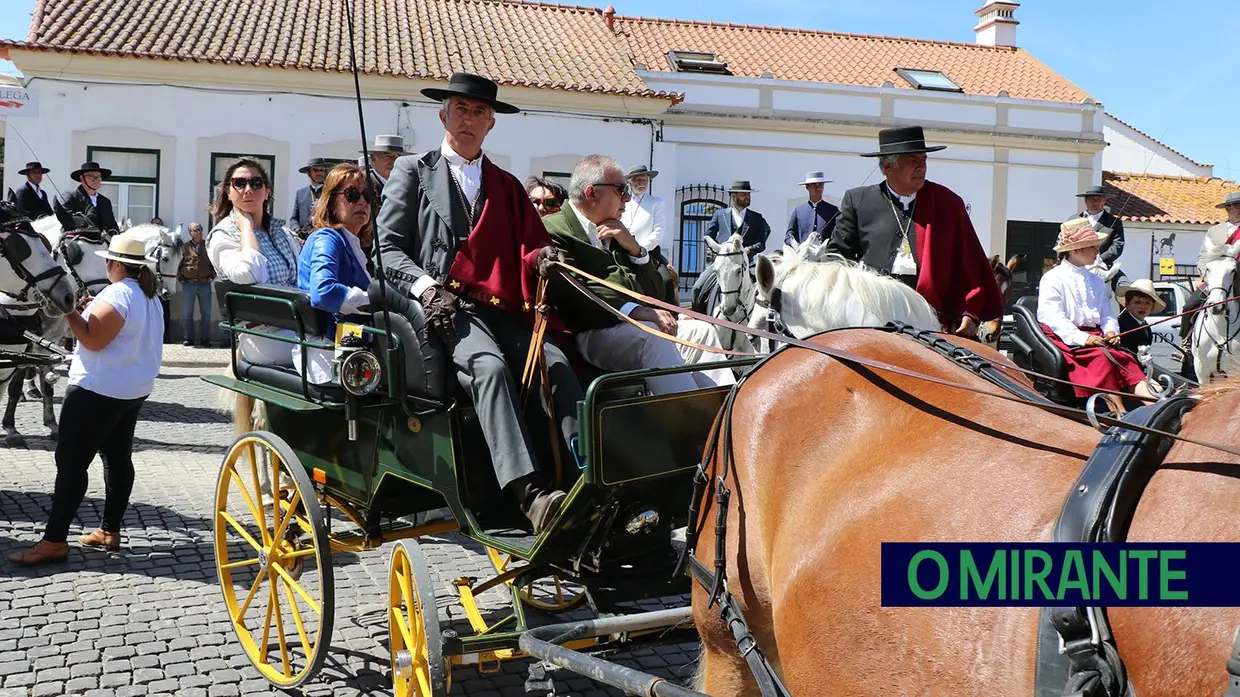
1215 338
28 266
736 289
164 247
818 296
814 248
76 253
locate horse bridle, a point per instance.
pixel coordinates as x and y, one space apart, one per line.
1223 344
15 255
62 251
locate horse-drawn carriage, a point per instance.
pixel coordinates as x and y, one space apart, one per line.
358 464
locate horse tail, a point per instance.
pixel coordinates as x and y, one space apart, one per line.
247 413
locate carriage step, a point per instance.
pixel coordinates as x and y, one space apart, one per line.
397 529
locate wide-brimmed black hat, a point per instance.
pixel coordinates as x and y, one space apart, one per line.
741 186
641 169
1094 191
471 86
31 166
319 162
1232 198
76 175
902 140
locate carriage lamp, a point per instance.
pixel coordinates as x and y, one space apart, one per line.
360 372
644 521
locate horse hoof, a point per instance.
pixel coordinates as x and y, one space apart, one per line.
15 440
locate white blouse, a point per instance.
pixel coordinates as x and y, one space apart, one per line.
1070 297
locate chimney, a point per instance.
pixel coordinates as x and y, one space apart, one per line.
996 26
609 17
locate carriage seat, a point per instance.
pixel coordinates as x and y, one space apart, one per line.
289 380
285 307
1033 350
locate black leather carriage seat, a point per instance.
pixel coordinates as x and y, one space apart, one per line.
425 373
1033 350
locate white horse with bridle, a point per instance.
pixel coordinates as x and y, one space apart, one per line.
736 292
1215 337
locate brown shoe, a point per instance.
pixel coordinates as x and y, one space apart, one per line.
43 553
102 538
545 508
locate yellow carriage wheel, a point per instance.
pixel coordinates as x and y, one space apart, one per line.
418 667
273 559
548 594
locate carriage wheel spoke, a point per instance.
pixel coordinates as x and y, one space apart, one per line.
279 531
262 646
241 531
243 562
258 580
275 600
257 509
297 621
297 587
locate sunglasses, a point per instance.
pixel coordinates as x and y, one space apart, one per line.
255 183
621 189
548 202
353 195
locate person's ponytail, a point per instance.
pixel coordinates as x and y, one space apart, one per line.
145 277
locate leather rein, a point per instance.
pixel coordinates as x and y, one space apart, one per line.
848 357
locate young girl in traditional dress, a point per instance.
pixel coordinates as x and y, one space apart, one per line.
1075 312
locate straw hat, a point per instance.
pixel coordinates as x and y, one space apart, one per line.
1077 233
126 249
1145 287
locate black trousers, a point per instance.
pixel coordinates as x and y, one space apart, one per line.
92 423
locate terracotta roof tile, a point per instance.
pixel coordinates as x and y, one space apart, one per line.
850 59
514 43
1154 198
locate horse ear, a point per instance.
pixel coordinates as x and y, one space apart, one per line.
765 275
710 242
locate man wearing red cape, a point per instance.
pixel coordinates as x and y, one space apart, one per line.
458 234
920 233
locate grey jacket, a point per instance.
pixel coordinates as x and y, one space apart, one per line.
303 207
420 222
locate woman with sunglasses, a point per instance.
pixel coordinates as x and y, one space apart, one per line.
249 246
332 267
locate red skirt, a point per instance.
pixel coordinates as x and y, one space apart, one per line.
1089 365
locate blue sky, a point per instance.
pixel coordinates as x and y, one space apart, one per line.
1170 69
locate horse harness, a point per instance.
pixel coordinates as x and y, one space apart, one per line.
1076 650
69 248
15 249
1223 344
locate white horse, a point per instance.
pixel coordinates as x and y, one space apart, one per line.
736 291
164 247
1215 338
819 296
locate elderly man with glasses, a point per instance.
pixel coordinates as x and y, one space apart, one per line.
590 234
85 202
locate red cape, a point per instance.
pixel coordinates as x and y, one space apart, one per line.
495 264
955 275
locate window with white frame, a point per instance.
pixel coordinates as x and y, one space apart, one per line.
133 186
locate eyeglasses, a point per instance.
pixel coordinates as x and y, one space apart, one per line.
621 188
255 183
353 195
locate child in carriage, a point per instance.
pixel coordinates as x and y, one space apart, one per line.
1139 300
1075 312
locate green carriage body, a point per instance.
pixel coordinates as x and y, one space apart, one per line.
629 477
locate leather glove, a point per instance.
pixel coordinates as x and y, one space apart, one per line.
440 308
546 255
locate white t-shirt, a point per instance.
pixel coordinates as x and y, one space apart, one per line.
127 367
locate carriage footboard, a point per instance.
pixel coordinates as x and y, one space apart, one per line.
543 643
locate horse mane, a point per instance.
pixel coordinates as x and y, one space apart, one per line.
844 293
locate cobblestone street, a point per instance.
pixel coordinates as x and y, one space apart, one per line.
150 620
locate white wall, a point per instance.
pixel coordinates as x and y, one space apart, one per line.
1131 151
187 125
1137 256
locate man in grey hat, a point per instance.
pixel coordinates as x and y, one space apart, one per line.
815 215
383 156
303 202
30 198
919 232
1107 225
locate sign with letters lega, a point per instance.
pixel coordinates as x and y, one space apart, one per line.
1166 265
18 101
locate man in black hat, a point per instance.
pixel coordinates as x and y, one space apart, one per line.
303 202
739 219
30 198
1107 225
919 232
458 234
86 201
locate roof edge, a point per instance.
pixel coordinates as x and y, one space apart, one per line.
674 97
1166 177
1168 147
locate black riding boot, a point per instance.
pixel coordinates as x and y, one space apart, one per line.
538 503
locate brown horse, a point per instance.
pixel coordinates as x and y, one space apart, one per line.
989 332
832 460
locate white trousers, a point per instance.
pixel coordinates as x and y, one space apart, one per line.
625 347
259 350
318 369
